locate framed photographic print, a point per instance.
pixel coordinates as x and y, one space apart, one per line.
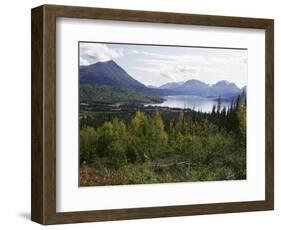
141 114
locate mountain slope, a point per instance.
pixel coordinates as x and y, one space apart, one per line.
108 73
108 83
193 87
244 89
224 88
171 85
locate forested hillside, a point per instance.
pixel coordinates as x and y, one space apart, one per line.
139 146
94 94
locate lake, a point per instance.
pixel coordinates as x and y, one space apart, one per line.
197 103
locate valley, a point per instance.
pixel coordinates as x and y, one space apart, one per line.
106 83
131 133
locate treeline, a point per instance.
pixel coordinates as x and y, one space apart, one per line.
192 146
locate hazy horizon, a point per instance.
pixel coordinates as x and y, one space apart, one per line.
155 65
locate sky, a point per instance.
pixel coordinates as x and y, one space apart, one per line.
157 65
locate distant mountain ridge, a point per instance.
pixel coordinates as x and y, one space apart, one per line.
224 88
193 87
171 85
110 73
200 88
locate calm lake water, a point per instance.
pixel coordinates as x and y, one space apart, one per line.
197 103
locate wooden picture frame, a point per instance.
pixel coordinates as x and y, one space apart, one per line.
43 207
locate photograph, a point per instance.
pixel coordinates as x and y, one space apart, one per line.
151 113
141 114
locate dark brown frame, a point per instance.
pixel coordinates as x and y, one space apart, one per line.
43 189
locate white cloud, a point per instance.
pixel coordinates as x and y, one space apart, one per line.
169 72
92 52
169 67
229 61
135 51
146 69
186 58
181 67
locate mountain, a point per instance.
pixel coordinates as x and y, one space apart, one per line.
199 88
171 85
108 73
224 88
193 87
107 83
